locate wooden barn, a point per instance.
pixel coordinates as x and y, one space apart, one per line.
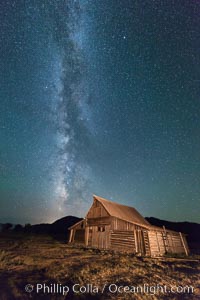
109 225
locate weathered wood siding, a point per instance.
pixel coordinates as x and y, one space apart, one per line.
99 237
175 243
126 236
122 225
156 242
97 210
98 224
162 242
99 221
143 245
122 241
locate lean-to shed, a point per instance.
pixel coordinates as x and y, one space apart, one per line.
109 225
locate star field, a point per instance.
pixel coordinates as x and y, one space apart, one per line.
99 97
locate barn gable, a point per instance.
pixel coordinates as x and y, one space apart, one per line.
97 210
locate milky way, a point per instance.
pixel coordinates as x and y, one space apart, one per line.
71 178
99 97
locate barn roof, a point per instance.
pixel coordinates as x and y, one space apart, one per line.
122 212
76 224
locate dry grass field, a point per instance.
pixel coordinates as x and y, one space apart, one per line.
45 263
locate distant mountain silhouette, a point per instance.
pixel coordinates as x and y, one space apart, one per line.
192 231
62 225
58 229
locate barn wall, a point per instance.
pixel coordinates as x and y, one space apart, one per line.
99 221
122 241
129 237
99 236
122 225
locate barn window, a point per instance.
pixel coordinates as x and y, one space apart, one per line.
101 228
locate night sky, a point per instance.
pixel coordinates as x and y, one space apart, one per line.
99 97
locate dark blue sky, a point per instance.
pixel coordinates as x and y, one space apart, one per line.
99 97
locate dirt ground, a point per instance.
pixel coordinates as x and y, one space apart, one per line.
39 267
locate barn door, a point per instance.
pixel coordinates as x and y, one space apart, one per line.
100 237
142 242
142 248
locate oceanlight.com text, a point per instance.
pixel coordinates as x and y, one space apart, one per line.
112 288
